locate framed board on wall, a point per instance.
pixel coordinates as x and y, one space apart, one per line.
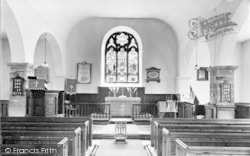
18 83
225 92
153 74
84 72
202 74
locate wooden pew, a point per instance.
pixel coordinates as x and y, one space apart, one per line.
182 149
58 149
34 126
189 125
194 138
194 122
74 137
198 128
55 120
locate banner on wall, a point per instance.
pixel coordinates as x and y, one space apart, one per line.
212 27
70 86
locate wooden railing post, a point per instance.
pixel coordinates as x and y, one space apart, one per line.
97 110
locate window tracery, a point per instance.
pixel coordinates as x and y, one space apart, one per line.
121 59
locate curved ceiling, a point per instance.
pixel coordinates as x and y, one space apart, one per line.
64 14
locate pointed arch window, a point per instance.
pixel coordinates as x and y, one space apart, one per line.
121 58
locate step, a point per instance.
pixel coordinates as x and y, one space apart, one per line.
123 120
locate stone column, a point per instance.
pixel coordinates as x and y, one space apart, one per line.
220 75
17 104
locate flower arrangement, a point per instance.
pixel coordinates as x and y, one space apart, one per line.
131 90
114 90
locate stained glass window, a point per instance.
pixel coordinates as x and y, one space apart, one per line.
121 59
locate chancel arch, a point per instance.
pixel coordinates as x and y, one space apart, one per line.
121 57
14 34
5 72
50 53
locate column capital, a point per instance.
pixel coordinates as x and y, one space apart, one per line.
17 104
222 68
20 64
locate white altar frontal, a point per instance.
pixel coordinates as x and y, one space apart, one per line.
121 106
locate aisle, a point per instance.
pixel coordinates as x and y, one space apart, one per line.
133 147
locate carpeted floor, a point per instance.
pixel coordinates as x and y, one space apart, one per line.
133 147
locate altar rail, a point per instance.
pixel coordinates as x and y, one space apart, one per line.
144 111
98 111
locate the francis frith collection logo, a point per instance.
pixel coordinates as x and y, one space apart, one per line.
212 27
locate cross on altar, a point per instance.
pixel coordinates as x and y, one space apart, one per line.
36 83
122 107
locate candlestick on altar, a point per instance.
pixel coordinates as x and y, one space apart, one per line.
109 94
122 91
136 94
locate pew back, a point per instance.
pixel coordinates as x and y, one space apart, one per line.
194 138
186 150
74 137
42 126
80 120
180 121
190 125
58 149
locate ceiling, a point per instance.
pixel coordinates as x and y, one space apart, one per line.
65 14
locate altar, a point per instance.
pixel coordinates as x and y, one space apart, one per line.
122 106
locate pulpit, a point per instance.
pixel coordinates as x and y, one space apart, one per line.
122 106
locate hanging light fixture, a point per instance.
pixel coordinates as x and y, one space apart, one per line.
215 44
45 64
196 67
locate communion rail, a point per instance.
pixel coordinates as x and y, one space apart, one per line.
98 111
142 112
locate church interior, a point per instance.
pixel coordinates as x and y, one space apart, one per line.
138 77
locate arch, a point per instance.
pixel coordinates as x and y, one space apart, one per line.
5 69
55 50
10 25
139 41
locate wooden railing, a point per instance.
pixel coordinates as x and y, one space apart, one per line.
98 111
144 111
4 107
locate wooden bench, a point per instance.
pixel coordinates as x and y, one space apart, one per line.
193 122
197 128
182 149
194 138
30 126
189 125
58 149
79 120
197 121
74 137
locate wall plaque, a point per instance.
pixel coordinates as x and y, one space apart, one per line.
153 74
225 92
17 89
202 74
84 72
